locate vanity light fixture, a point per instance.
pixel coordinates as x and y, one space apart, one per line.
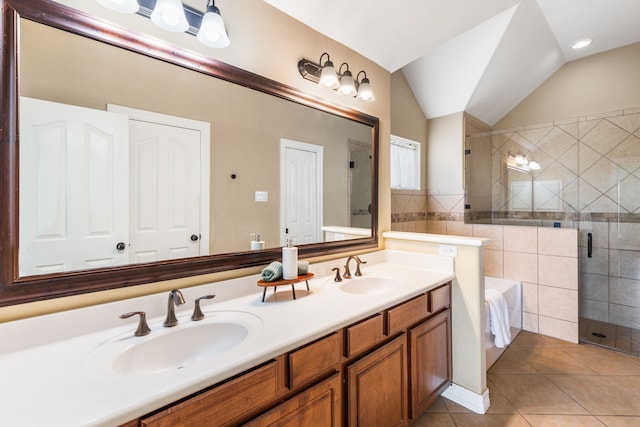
521 159
347 84
213 32
123 6
328 76
365 91
521 163
169 15
173 15
581 44
325 75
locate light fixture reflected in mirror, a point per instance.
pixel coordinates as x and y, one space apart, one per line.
174 16
213 32
122 6
343 82
521 163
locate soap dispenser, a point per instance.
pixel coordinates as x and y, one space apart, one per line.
289 261
256 243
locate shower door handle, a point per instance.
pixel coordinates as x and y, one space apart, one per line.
589 245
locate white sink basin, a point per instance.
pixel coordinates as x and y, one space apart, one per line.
171 349
370 285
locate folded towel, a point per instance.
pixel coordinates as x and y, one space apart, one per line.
303 267
498 317
272 272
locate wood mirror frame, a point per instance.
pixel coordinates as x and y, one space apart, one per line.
15 289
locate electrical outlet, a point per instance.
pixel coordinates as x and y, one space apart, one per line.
448 250
262 196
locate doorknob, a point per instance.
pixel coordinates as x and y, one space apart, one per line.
194 237
120 246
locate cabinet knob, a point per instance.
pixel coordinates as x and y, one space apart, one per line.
121 246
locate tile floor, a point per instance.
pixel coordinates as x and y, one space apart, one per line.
541 381
619 337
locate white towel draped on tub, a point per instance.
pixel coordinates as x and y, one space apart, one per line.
498 320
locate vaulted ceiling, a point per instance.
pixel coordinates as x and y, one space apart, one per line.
479 56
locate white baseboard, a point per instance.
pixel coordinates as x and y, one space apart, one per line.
478 403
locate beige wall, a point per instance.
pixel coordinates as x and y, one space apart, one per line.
268 43
445 165
608 81
408 121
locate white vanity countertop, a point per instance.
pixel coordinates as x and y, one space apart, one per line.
52 379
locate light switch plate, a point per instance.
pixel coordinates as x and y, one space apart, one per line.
262 196
448 250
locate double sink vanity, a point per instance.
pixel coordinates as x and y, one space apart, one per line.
371 350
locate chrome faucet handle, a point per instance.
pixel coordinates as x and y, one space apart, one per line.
337 278
175 299
197 312
143 329
358 262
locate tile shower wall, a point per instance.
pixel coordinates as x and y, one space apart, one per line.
590 169
545 260
591 173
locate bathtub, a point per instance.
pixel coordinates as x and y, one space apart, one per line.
512 291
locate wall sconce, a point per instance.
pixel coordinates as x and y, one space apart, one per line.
342 81
172 15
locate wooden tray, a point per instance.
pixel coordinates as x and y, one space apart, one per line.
282 282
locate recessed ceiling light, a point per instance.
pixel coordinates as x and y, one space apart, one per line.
581 44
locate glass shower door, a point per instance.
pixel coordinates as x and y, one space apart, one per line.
609 224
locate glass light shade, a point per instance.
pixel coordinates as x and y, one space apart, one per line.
169 15
123 6
365 91
520 159
328 76
533 165
213 32
347 84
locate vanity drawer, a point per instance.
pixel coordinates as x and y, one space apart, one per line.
440 298
225 404
313 360
363 335
406 314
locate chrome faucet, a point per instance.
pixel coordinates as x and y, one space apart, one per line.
175 299
347 272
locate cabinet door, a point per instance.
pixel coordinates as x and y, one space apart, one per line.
377 387
429 361
318 406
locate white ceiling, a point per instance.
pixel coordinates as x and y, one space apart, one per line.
480 56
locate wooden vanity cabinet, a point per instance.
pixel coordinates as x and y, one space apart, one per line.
223 405
429 361
317 406
381 371
376 387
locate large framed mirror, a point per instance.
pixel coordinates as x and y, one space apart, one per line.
247 127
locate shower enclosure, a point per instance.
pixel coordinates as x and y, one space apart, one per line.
609 202
582 173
